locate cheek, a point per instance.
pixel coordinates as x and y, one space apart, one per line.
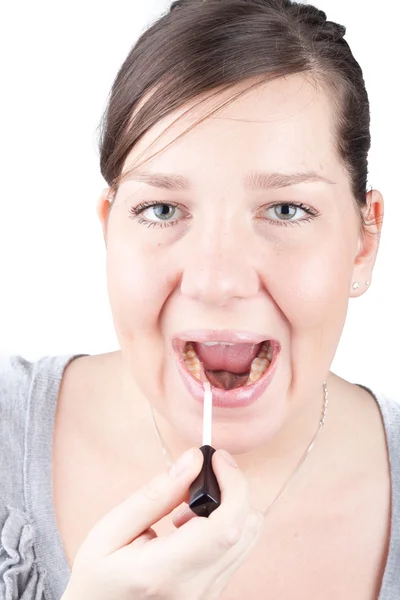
138 285
312 286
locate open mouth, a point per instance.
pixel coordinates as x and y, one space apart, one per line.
228 366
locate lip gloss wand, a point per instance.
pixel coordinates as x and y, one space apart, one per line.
205 495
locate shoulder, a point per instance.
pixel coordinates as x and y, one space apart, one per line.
390 413
16 376
25 386
390 409
26 389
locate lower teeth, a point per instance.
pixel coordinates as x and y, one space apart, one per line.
259 364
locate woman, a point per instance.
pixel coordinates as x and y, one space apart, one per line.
237 225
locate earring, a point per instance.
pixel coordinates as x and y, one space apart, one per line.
356 285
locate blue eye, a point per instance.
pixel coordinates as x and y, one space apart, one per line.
164 211
167 210
287 211
164 214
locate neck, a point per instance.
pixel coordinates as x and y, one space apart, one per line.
120 427
289 443
278 456
126 427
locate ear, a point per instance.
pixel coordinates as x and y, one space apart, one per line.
368 243
103 210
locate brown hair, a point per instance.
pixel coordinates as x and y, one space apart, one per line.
208 46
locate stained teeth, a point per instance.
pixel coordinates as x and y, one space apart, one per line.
258 366
191 361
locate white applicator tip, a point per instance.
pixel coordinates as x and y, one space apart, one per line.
207 414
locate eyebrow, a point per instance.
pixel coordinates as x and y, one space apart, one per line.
256 180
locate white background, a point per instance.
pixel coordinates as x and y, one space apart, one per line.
58 62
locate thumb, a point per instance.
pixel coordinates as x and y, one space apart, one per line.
145 507
223 463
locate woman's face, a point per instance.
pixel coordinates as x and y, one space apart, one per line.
227 257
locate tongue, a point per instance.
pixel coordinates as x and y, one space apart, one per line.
226 380
235 359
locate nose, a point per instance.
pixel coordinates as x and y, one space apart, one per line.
218 268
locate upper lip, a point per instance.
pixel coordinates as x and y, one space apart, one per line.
218 335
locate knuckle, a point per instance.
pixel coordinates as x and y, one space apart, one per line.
153 490
229 537
147 586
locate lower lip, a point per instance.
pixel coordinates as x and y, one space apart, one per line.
236 398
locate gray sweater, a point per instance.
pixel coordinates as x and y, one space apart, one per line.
33 565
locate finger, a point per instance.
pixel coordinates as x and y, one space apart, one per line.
150 503
201 540
182 516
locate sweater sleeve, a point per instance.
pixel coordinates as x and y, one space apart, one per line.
20 576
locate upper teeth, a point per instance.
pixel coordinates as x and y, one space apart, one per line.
216 343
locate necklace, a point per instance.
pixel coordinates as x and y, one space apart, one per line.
299 464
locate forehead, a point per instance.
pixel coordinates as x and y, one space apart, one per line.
284 123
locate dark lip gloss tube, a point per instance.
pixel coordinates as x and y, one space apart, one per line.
204 492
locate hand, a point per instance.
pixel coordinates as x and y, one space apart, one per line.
122 558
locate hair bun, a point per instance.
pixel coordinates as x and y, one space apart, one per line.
336 30
179 3
176 4
311 15
316 18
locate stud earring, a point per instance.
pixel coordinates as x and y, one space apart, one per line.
367 283
355 285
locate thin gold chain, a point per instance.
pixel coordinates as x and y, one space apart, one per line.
299 464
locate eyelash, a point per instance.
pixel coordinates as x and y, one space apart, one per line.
137 210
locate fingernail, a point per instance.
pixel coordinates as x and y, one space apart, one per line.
229 458
183 463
